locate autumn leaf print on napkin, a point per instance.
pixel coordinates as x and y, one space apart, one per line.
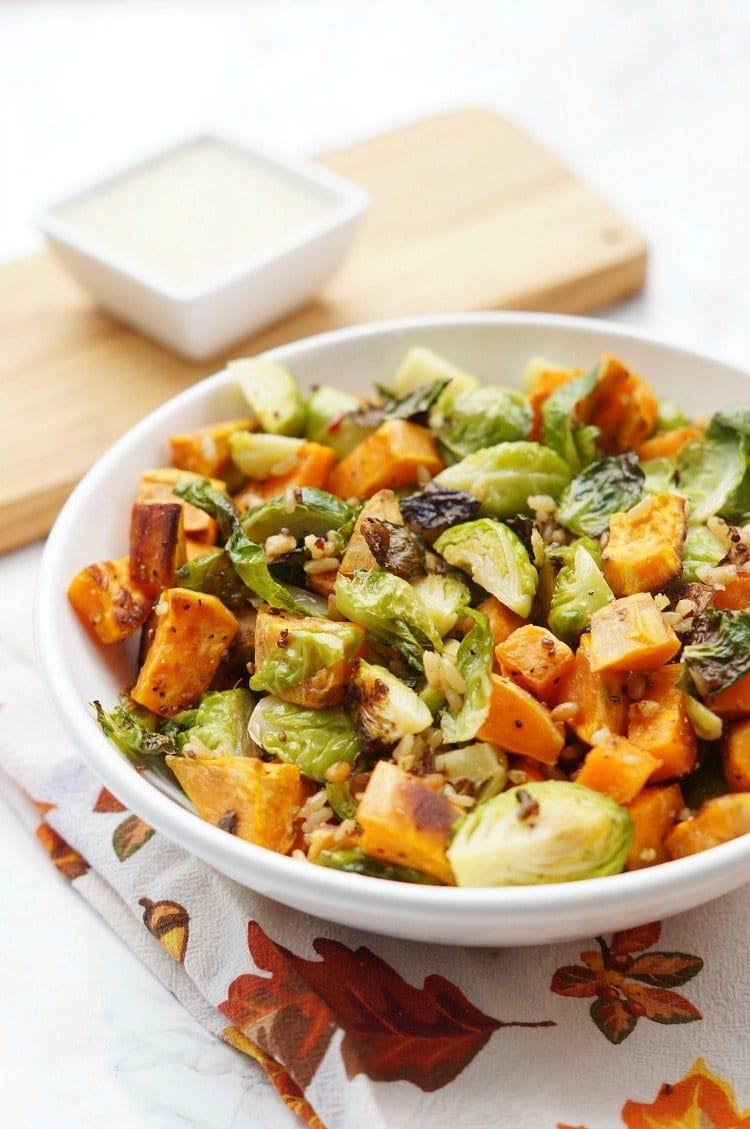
129 836
701 1099
392 1030
67 860
629 984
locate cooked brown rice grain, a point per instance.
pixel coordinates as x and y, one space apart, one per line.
566 711
325 564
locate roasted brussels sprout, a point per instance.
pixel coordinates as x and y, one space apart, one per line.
546 831
309 647
335 418
315 512
709 472
258 455
422 366
659 475
701 547
483 765
249 561
580 590
495 557
609 486
466 421
391 612
474 662
444 595
574 442
384 708
504 477
219 722
312 739
720 652
134 731
214 574
272 394
355 861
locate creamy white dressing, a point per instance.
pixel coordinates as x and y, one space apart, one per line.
196 213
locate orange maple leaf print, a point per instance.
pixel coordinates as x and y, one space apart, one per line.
392 1030
628 984
66 858
701 1100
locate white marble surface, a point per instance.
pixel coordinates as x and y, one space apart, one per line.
648 101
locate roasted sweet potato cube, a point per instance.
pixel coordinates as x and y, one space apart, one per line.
157 543
623 406
618 768
273 635
734 701
736 756
193 632
357 555
391 457
245 796
157 485
535 659
631 634
735 595
107 600
666 444
654 813
406 822
309 467
719 820
601 697
659 724
206 450
644 550
503 622
519 723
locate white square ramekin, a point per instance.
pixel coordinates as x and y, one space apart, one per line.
200 321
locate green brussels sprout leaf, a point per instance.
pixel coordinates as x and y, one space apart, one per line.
215 503
312 739
214 574
720 652
474 662
709 472
495 557
474 418
249 559
574 443
580 590
609 486
504 477
390 611
315 512
219 722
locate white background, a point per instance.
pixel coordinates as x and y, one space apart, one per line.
649 101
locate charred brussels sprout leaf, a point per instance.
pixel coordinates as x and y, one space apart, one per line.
474 662
417 403
315 512
480 417
435 509
214 574
613 485
720 653
390 611
574 443
354 861
545 831
580 590
312 739
394 547
384 708
709 472
219 722
504 477
249 561
204 496
307 650
495 557
134 731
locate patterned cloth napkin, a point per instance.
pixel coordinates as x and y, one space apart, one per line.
646 1028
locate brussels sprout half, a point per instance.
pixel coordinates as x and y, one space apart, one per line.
308 648
580 590
271 393
504 477
466 421
495 557
384 708
219 722
444 595
391 612
474 662
542 832
312 739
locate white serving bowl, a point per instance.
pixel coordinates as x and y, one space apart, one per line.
94 525
201 319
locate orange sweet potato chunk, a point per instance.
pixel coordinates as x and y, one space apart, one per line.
631 634
618 768
406 822
389 458
735 595
654 813
157 543
718 821
536 659
245 796
107 600
519 723
665 732
193 632
644 550
734 701
503 622
206 450
736 756
601 697
623 406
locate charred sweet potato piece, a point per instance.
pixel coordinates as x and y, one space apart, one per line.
664 731
107 600
519 723
391 457
206 450
245 796
736 756
406 822
618 768
631 634
535 659
601 697
193 632
653 813
644 551
157 485
718 821
157 543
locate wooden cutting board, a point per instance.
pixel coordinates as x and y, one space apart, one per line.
467 214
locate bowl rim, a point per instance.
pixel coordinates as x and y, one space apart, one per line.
335 887
349 203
